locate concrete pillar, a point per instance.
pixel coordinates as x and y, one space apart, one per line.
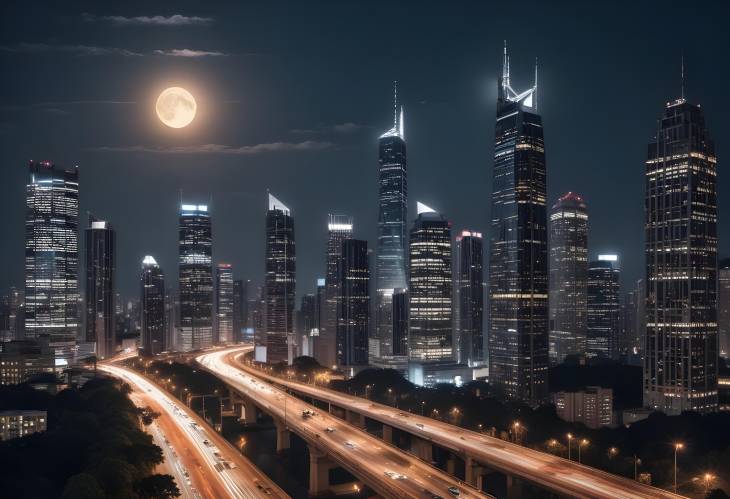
248 412
355 419
514 487
283 440
474 473
422 449
388 433
451 465
319 472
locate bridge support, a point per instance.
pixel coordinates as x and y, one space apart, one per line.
474 473
319 472
514 487
243 408
355 419
283 437
422 449
451 465
388 433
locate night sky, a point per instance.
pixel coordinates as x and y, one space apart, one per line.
293 95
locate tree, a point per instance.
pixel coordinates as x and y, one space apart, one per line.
157 487
148 415
83 486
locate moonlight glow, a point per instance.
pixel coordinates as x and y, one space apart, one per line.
176 107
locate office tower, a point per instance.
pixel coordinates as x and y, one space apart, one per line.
680 363
196 278
224 303
400 322
257 306
627 349
568 246
603 324
723 306
390 254
240 308
13 315
430 288
339 229
639 340
353 304
172 314
272 344
518 286
469 275
52 256
307 323
320 305
152 304
100 285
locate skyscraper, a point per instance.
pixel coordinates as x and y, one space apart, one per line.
568 277
272 343
52 256
390 262
224 303
152 304
339 229
400 322
196 278
680 363
723 306
306 323
603 325
240 308
353 304
100 286
430 337
469 274
518 281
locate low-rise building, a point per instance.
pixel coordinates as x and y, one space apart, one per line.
592 406
21 360
16 423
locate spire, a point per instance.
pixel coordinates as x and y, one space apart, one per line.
275 204
422 208
397 130
534 92
401 129
683 75
505 67
395 104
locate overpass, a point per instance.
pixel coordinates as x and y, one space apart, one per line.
480 453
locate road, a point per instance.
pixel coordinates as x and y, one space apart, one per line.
389 471
204 464
552 472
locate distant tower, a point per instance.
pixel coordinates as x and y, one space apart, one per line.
518 286
280 285
240 308
353 305
224 303
52 256
468 287
339 229
152 304
100 286
723 306
568 277
603 331
196 278
680 363
430 289
400 322
390 254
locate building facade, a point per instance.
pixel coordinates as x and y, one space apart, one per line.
21 360
196 278
52 256
100 286
353 305
518 266
152 308
339 229
16 424
723 306
593 406
681 347
604 330
568 246
469 289
224 303
240 308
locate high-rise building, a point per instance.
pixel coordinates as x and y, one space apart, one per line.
52 256
100 286
353 304
390 254
13 315
400 322
224 303
306 324
628 347
723 306
518 266
152 304
568 246
680 363
603 325
196 278
240 308
468 287
339 229
430 327
172 319
320 309
272 343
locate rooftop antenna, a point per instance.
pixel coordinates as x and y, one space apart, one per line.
505 67
683 75
395 104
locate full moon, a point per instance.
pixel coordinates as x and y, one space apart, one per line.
176 107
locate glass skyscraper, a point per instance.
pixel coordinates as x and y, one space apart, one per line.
152 304
224 303
392 242
339 229
273 340
568 277
603 324
469 288
100 286
681 347
52 256
723 306
196 278
353 304
518 267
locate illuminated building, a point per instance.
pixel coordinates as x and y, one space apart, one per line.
568 277
272 342
224 303
240 308
518 266
592 406
21 360
152 306
100 282
430 288
603 325
353 304
52 256
469 308
723 306
392 242
400 322
680 361
16 424
339 229
196 278
306 324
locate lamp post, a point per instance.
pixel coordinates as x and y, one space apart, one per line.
581 444
637 462
423 403
677 447
570 439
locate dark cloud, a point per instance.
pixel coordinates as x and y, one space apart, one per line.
174 20
307 145
188 53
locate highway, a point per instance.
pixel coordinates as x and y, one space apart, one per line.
389 471
204 464
552 472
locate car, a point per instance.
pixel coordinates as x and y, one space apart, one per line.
350 445
329 429
206 442
395 476
420 425
454 491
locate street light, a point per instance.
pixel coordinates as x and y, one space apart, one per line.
612 452
570 439
677 447
423 403
581 444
